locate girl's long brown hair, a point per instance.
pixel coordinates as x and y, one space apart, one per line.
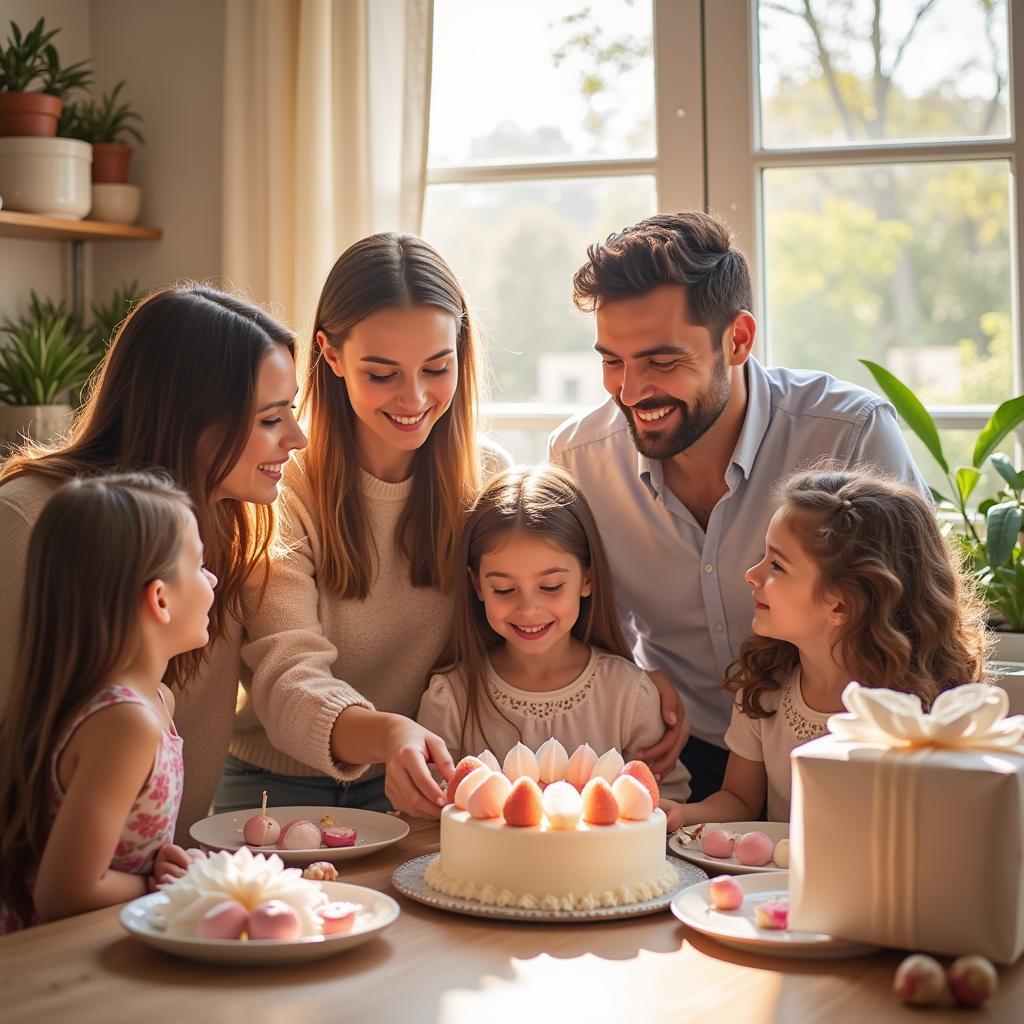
537 501
380 272
95 547
913 622
176 392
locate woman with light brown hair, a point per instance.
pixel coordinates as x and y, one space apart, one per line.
199 384
856 583
537 650
359 602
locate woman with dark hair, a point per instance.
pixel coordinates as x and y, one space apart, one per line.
200 384
359 603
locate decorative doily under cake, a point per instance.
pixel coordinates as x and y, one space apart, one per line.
408 880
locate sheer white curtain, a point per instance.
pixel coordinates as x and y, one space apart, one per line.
325 137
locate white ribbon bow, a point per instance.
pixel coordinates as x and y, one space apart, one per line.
971 716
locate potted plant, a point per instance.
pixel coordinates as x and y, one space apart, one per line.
104 124
991 532
47 359
33 85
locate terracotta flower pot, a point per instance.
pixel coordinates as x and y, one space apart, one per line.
29 113
110 162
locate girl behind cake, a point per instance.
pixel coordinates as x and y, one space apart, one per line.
537 650
856 582
90 762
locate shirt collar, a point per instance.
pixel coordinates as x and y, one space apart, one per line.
755 426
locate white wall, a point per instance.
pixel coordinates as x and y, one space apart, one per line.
171 56
44 266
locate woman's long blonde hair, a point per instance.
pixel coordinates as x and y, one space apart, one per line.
381 272
913 622
176 391
536 501
95 547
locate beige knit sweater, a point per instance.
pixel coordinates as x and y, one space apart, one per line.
204 714
311 653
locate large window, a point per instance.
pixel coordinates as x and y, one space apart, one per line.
863 151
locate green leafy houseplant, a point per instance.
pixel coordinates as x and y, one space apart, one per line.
47 355
31 60
996 554
104 122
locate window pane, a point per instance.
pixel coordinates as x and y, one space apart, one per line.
936 69
958 447
907 265
515 246
548 80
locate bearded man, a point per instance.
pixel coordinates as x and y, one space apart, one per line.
681 464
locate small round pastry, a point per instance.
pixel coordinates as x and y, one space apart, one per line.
972 980
321 871
339 917
261 829
754 849
276 920
919 980
772 914
300 834
718 843
226 920
326 821
781 853
338 835
725 892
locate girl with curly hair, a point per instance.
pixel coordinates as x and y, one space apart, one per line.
856 582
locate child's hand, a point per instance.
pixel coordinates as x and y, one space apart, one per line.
662 757
675 812
171 862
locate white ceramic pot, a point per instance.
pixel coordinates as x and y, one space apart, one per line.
118 204
1007 646
42 423
46 176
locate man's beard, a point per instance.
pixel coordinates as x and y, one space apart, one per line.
693 423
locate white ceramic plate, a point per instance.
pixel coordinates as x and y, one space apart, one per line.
374 831
409 881
736 928
689 849
378 912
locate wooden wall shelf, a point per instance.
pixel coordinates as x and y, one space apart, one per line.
54 229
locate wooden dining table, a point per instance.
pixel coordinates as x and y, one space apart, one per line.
434 965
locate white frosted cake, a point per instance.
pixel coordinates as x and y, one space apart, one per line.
552 832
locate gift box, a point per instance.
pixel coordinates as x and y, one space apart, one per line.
907 829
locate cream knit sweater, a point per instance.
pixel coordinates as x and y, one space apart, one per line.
204 714
311 653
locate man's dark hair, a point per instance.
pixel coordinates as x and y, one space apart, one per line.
693 249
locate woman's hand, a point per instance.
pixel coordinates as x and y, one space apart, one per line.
171 862
408 784
665 753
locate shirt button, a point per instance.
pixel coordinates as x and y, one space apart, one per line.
709 567
719 627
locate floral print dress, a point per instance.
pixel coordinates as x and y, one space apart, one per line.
151 821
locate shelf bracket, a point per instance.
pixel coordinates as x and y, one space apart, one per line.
78 278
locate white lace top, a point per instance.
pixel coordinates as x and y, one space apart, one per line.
771 740
611 703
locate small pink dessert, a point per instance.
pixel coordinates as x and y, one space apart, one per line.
276 920
300 834
972 980
725 892
261 829
772 914
321 871
339 917
754 849
226 920
919 980
338 835
718 843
